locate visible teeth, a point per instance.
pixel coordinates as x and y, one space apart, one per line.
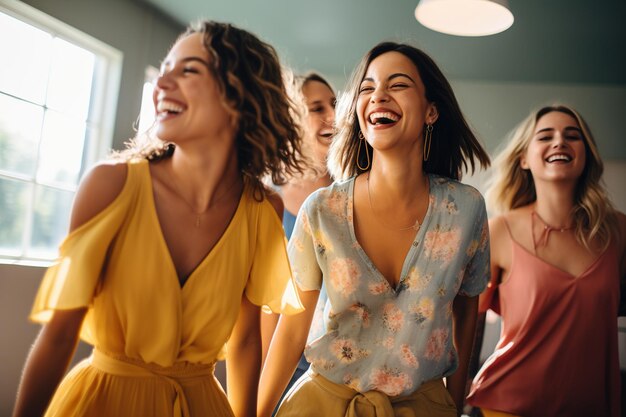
168 106
559 157
385 117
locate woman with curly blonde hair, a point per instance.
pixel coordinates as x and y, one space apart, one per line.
174 247
557 257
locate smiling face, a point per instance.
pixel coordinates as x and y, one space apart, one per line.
557 149
392 107
320 102
187 98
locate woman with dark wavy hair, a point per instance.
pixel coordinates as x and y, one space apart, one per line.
399 244
174 247
557 257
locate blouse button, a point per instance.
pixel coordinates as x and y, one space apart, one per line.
415 243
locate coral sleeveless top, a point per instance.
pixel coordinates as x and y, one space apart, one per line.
558 352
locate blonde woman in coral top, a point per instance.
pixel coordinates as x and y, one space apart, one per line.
557 259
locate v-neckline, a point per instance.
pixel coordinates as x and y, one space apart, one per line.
155 217
416 241
556 268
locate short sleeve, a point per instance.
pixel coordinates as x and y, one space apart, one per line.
270 283
72 280
478 269
302 254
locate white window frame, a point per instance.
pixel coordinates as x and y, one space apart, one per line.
103 103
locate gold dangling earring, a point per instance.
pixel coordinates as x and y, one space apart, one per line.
358 153
428 135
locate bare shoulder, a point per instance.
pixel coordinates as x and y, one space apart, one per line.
498 229
99 188
276 201
500 234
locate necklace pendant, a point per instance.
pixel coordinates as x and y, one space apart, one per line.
197 221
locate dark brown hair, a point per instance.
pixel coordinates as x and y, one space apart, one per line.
453 142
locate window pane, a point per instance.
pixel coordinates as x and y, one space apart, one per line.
50 221
69 88
14 208
20 127
147 115
26 59
61 150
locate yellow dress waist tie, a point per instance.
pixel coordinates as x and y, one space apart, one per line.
124 366
373 403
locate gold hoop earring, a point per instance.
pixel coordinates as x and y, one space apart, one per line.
428 135
362 142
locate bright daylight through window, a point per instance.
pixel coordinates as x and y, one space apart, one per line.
58 89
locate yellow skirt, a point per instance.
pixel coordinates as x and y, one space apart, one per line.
102 386
313 396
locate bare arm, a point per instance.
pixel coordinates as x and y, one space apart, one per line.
464 310
284 353
269 321
498 234
244 360
474 362
48 361
55 345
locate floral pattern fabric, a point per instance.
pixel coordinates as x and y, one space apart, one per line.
376 337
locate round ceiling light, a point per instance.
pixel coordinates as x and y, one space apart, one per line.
465 17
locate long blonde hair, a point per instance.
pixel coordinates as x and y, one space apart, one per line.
512 187
251 82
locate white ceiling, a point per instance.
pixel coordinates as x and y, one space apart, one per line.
556 41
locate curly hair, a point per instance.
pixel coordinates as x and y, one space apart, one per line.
250 78
511 186
455 145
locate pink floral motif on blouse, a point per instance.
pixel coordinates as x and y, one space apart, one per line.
347 351
336 204
435 347
393 317
423 310
390 381
377 287
442 245
407 357
416 281
344 275
362 313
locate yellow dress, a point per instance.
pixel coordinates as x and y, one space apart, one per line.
155 343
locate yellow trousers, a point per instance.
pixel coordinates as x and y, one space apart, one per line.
314 396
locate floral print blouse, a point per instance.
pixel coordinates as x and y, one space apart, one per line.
376 337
